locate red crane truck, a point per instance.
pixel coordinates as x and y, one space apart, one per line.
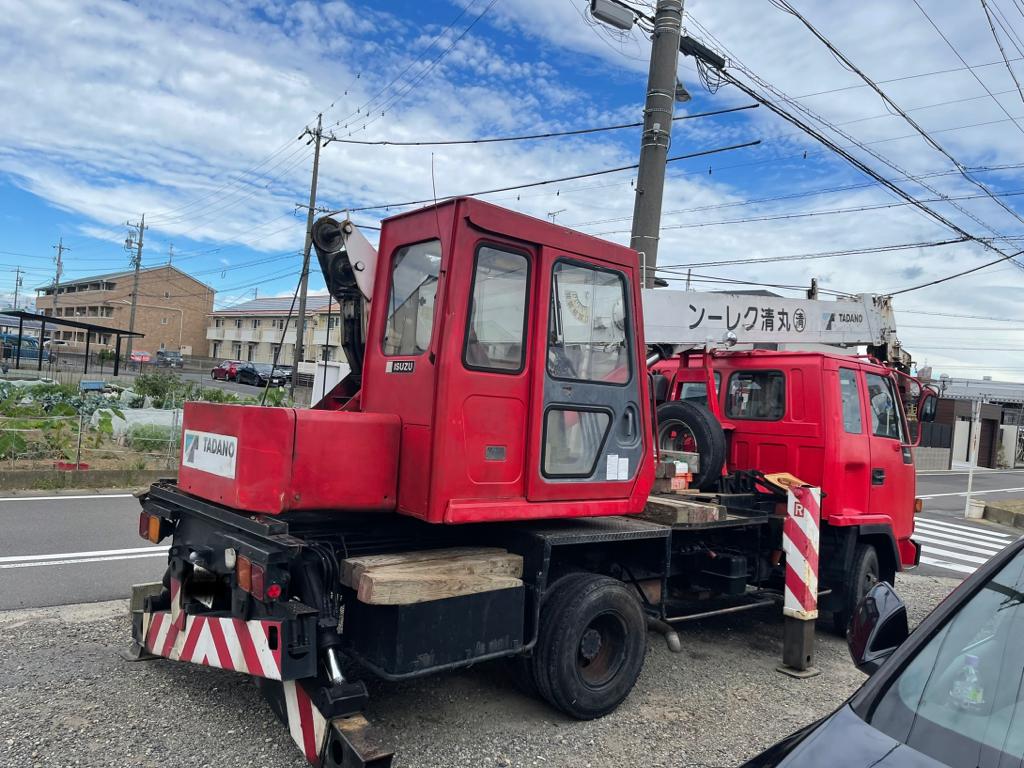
473 489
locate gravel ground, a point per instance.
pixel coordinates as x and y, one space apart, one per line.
67 698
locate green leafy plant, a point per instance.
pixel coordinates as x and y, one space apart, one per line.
149 438
12 445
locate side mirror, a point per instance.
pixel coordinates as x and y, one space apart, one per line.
879 627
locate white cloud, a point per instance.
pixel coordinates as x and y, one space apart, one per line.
114 109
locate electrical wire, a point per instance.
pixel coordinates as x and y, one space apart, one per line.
530 137
688 156
1002 51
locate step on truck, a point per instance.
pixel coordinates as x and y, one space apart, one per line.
509 471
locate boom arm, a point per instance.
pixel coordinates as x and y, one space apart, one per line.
688 319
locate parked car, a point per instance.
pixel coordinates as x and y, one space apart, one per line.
226 371
167 358
138 356
258 374
950 694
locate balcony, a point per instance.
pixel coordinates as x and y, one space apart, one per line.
215 334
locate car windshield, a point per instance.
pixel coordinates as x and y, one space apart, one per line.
263 368
961 699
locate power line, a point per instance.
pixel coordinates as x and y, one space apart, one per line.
819 254
545 181
947 278
1002 51
960 317
964 62
529 137
845 60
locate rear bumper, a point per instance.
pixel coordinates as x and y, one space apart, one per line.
910 553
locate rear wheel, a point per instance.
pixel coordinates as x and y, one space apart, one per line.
692 428
591 646
864 574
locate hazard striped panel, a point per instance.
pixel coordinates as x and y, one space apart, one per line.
252 647
800 535
308 728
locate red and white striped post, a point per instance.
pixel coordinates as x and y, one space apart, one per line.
800 606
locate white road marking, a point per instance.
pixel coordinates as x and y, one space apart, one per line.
986 550
969 538
973 493
947 566
68 498
76 561
145 551
955 555
975 529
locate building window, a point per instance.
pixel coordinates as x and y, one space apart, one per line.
163 321
167 294
275 350
251 352
238 322
104 338
279 323
218 323
255 322
236 349
216 349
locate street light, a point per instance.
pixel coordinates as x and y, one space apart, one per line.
612 14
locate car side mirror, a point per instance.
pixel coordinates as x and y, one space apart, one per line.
879 626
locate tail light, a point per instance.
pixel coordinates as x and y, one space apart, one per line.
252 578
152 527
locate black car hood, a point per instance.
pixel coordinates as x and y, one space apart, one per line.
841 740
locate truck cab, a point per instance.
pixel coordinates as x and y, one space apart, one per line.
836 422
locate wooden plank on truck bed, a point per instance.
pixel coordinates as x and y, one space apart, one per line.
669 510
691 460
407 587
352 567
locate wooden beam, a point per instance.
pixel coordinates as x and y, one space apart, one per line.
407 586
672 511
353 567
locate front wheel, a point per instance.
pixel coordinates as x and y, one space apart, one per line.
865 573
591 646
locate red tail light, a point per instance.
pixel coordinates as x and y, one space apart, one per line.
252 577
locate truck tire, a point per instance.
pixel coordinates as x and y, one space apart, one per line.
590 654
686 426
558 594
864 574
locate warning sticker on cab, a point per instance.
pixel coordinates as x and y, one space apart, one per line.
210 452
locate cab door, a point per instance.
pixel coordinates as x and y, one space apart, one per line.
892 461
588 436
852 440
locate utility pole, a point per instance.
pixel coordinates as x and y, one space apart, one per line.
134 247
17 285
662 94
658 112
300 326
170 254
974 443
59 260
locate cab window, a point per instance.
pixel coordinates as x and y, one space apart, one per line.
697 391
587 338
961 698
849 398
413 289
495 333
756 395
885 414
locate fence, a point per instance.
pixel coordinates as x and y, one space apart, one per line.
87 442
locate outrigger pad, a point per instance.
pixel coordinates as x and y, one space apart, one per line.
353 743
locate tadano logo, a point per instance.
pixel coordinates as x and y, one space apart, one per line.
210 452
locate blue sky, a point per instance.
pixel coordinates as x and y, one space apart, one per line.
190 112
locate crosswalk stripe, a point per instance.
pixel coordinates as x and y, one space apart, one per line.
955 555
964 547
960 538
964 528
948 566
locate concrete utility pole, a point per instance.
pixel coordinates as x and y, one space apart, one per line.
973 446
134 247
658 112
300 325
17 285
59 259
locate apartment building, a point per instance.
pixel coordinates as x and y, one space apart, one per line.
255 329
171 308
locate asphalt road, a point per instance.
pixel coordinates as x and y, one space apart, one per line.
85 547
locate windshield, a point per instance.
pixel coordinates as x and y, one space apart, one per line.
961 699
414 273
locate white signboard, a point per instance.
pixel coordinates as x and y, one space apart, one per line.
688 317
210 452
